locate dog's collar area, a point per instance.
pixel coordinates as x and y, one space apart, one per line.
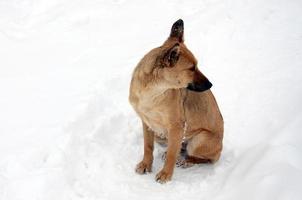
199 87
185 128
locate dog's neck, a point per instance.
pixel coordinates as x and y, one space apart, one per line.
153 94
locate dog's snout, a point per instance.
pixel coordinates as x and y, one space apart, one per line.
191 86
192 68
199 87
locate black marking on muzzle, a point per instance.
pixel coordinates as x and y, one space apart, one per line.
199 87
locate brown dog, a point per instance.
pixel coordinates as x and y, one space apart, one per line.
174 101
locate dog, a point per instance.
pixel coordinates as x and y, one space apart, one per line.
177 108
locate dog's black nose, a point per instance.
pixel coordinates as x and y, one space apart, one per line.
199 87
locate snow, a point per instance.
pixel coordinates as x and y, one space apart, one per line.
67 130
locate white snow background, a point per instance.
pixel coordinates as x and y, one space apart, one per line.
67 130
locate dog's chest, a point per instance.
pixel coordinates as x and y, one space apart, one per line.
154 121
156 113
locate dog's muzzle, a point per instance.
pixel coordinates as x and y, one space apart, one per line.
199 87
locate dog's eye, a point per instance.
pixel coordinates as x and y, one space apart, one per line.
192 68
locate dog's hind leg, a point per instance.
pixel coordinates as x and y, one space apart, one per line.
204 147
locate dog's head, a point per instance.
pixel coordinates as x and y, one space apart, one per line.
179 64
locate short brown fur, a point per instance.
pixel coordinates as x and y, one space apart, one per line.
169 111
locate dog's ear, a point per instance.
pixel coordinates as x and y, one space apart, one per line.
172 55
177 30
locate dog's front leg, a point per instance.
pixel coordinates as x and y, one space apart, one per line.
146 164
174 145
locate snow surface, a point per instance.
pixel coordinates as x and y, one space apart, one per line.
67 130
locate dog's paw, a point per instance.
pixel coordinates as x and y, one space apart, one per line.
163 176
183 163
143 167
180 161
